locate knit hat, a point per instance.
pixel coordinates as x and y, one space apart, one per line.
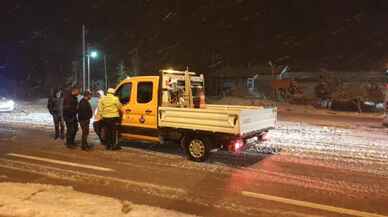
111 90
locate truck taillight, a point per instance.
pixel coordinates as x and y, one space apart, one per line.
238 144
235 145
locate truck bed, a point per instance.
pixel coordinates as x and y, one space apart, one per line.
236 120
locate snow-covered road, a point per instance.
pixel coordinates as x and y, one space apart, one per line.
296 138
340 167
369 144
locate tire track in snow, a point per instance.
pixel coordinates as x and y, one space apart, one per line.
357 144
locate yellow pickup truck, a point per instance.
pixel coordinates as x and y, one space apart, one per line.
170 107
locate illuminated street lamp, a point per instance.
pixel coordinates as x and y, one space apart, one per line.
92 54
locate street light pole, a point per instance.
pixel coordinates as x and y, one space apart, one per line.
83 57
88 72
106 73
92 54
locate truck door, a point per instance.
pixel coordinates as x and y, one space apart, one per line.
146 103
140 119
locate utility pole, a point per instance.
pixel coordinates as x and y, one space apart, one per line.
83 58
106 73
88 86
137 62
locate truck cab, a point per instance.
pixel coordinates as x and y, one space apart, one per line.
139 97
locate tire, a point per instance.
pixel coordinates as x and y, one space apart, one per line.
197 148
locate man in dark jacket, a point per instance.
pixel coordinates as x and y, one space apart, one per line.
70 110
55 107
85 113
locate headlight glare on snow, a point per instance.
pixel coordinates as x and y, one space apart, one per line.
10 104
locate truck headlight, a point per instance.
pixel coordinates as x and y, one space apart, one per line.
10 104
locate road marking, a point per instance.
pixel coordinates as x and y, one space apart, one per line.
311 205
61 162
71 175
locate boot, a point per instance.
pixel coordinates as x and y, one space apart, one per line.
62 136
85 147
70 145
56 135
116 148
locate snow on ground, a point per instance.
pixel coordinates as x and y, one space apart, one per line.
361 149
31 119
32 113
368 144
36 200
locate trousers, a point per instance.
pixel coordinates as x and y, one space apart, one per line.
111 126
71 130
85 132
59 126
98 126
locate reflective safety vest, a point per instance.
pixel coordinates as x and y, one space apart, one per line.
109 106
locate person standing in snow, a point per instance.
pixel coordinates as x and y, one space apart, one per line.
70 110
85 113
98 124
55 107
109 108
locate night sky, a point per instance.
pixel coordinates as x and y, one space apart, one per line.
40 39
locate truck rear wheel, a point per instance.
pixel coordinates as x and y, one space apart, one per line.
197 148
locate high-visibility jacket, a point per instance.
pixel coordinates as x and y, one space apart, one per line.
109 106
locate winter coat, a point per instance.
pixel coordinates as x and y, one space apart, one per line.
84 110
55 106
109 106
70 106
50 105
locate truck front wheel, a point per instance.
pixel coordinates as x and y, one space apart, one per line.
197 148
